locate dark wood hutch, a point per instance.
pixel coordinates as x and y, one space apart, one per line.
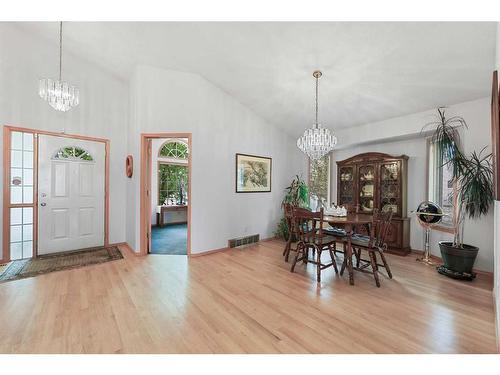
375 180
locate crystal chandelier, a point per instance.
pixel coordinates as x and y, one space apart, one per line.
60 94
317 141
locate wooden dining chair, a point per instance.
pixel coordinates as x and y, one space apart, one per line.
292 235
339 233
374 244
310 235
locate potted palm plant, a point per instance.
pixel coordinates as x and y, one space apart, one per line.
473 179
297 195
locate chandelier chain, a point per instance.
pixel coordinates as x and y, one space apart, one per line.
317 84
60 50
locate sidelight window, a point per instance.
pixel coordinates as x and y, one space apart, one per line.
21 195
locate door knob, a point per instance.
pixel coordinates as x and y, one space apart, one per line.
43 204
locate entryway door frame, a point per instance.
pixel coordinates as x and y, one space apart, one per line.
145 188
7 205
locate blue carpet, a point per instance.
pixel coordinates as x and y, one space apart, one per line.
171 239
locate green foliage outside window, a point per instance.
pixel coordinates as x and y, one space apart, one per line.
319 177
177 150
74 153
173 182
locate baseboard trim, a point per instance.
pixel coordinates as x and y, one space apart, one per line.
439 259
268 239
128 247
209 252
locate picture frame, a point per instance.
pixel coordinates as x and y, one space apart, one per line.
253 174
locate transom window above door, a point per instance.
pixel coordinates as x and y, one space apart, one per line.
73 153
174 149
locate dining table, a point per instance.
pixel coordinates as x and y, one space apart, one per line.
349 223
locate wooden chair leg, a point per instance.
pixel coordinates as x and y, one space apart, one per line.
288 242
344 264
386 265
357 254
286 252
373 262
318 266
332 255
287 255
300 248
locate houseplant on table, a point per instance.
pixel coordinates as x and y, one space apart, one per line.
296 194
473 197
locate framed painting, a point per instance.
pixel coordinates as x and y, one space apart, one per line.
253 174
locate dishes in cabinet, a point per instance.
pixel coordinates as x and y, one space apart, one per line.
367 190
346 176
368 176
390 207
367 206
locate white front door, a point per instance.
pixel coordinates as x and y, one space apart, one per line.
70 194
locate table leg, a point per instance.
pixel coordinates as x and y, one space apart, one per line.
348 255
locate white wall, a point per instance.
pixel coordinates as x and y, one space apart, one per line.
103 109
172 101
402 136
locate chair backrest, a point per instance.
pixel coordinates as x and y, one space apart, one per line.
352 208
380 227
308 225
288 208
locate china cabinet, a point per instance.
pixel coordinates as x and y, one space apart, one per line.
378 181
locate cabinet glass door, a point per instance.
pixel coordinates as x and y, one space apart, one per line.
366 183
390 191
346 186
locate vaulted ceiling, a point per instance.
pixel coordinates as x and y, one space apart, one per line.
371 71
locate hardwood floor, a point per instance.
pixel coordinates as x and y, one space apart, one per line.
243 301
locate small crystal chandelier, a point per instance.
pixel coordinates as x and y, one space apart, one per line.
317 141
60 94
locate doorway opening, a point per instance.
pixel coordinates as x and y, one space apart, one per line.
56 193
165 193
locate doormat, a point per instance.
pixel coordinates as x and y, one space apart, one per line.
21 269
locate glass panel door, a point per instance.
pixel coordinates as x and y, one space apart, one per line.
346 186
390 182
366 176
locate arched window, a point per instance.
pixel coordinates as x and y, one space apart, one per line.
73 153
174 149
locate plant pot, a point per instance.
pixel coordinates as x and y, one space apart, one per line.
458 259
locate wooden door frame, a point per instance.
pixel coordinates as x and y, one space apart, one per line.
7 132
145 186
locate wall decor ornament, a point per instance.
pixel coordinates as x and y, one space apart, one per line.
129 166
253 174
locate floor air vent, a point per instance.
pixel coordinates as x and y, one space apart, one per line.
235 242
